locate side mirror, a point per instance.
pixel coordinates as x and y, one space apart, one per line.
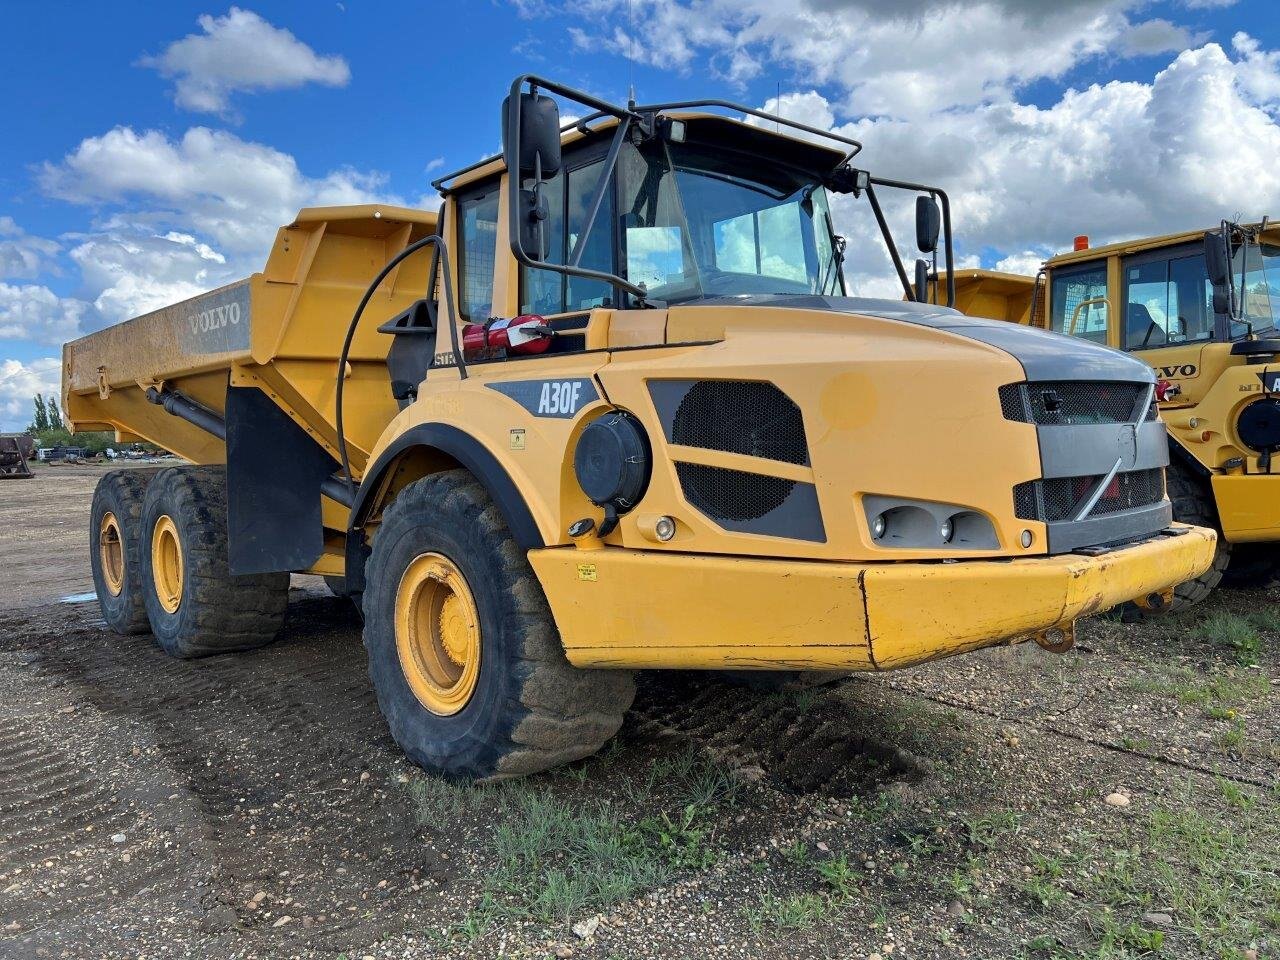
1218 267
928 224
534 136
922 281
532 216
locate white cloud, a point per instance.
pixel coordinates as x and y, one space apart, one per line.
900 58
189 214
1115 161
1027 263
241 52
1157 36
35 313
22 256
210 183
20 382
137 273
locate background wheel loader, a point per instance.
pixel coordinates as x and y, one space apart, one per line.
612 409
1202 309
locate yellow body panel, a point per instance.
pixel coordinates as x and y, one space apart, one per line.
683 611
1248 507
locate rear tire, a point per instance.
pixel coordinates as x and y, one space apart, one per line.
505 702
1193 503
195 606
115 522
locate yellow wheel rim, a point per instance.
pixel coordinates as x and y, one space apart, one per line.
437 634
111 553
166 563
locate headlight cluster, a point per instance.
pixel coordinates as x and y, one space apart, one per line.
923 524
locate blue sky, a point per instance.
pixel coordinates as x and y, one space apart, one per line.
151 149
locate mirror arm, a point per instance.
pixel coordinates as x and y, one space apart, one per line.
888 240
602 187
947 248
514 185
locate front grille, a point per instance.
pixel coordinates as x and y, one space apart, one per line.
741 416
731 494
1058 499
1069 402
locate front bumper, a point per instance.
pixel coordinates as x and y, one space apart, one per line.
647 609
1248 507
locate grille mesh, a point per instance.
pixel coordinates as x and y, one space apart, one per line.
1059 498
1055 403
731 494
741 416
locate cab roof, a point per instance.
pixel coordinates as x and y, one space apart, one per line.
1127 247
718 129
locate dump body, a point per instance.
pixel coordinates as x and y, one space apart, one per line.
279 331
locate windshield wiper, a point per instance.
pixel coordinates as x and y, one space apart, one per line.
832 270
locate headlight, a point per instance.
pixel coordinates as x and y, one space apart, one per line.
923 525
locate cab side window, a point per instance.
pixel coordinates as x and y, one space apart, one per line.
478 225
1168 300
1078 298
569 198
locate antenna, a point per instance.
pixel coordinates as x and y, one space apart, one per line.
631 56
777 108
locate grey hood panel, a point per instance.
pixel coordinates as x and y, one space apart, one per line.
1043 355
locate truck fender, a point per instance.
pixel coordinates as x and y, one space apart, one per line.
469 453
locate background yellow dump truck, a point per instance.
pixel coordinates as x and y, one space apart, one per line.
614 411
1201 308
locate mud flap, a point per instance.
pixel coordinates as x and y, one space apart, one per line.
274 472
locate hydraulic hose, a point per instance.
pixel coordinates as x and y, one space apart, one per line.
442 263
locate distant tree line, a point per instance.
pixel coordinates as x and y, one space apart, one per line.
50 430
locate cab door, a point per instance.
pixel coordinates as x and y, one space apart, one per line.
1167 311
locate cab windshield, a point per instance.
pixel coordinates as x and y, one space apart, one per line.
697 223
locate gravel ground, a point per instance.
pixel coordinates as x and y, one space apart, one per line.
1118 801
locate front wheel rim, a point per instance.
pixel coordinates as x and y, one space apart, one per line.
437 634
166 564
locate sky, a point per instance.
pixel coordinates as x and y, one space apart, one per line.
149 151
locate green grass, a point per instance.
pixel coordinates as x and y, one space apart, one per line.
1218 879
788 913
1239 633
557 857
838 875
1234 687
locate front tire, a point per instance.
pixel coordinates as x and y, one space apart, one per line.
196 608
463 652
1193 503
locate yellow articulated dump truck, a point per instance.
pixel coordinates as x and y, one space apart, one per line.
1202 309
610 409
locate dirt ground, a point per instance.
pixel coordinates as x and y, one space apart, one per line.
1118 801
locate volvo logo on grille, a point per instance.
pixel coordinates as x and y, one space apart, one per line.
1127 444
